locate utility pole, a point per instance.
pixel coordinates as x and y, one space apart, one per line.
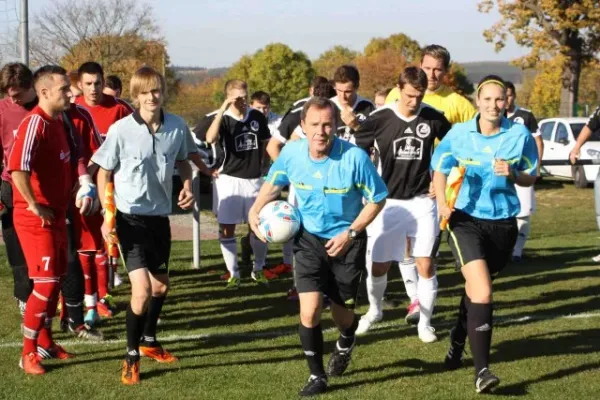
24 32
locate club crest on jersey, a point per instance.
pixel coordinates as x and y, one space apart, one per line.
254 126
360 117
519 120
423 130
408 148
246 142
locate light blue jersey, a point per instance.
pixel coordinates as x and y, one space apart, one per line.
483 194
329 191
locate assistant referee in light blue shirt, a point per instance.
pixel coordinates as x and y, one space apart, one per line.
331 178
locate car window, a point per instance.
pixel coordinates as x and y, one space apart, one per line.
547 129
562 134
577 127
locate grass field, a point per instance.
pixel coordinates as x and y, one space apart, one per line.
244 344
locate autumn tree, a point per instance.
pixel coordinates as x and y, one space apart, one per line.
331 59
409 48
194 101
379 70
569 28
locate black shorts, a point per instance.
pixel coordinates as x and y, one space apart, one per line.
337 277
146 242
473 238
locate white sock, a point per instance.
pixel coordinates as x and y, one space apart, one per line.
523 226
90 300
427 289
229 250
408 270
259 249
375 289
288 253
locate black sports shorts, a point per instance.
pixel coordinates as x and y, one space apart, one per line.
337 277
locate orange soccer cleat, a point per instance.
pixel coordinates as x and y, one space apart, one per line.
157 353
30 363
282 269
130 371
55 351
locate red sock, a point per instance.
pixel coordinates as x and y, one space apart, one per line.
45 337
36 312
88 265
101 273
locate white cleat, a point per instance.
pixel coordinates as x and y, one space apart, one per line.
365 323
117 280
596 259
427 334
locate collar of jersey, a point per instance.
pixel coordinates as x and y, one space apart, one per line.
504 126
138 118
229 113
337 102
517 108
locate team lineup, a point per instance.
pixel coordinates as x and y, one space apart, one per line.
374 184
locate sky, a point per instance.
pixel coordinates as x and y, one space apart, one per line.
216 33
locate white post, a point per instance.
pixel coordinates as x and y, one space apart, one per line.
24 32
196 219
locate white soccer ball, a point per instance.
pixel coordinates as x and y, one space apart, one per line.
279 221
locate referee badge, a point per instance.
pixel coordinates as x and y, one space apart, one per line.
423 130
254 126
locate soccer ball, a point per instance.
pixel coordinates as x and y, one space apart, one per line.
279 221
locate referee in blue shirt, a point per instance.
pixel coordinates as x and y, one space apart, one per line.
331 178
497 155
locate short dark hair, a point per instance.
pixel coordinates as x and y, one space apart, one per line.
347 73
383 92
324 89
413 76
261 97
511 86
491 79
318 81
92 68
320 103
113 82
15 75
438 52
47 70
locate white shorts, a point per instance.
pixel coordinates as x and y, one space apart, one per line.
233 197
527 199
415 218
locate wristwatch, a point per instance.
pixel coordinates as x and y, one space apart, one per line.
352 234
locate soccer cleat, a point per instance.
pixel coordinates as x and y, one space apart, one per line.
414 313
130 371
486 381
22 305
596 259
157 353
104 310
292 294
517 259
225 276
315 385
270 275
85 331
282 269
339 360
55 352
233 283
427 334
64 325
365 323
91 317
259 277
31 364
454 357
117 281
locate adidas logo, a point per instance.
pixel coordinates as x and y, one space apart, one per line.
317 175
408 130
309 353
132 353
483 328
487 149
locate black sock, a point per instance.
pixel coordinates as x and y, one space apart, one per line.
74 312
154 310
135 326
312 345
346 339
479 326
459 335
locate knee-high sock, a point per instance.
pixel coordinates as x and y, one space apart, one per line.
229 250
101 273
427 291
45 337
36 312
375 290
154 309
259 248
523 224
479 328
135 327
347 336
88 265
312 345
288 253
408 270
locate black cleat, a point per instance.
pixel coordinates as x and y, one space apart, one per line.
454 357
486 381
315 385
84 331
339 360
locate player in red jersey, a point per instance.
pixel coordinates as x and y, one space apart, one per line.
44 149
105 111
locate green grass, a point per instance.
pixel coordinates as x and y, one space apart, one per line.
246 344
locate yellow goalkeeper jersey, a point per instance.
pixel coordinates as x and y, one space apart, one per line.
455 107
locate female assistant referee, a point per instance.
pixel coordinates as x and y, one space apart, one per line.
483 230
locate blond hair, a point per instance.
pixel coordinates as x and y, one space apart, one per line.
145 79
235 84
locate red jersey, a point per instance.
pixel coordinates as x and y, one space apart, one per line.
41 147
85 128
109 111
11 115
